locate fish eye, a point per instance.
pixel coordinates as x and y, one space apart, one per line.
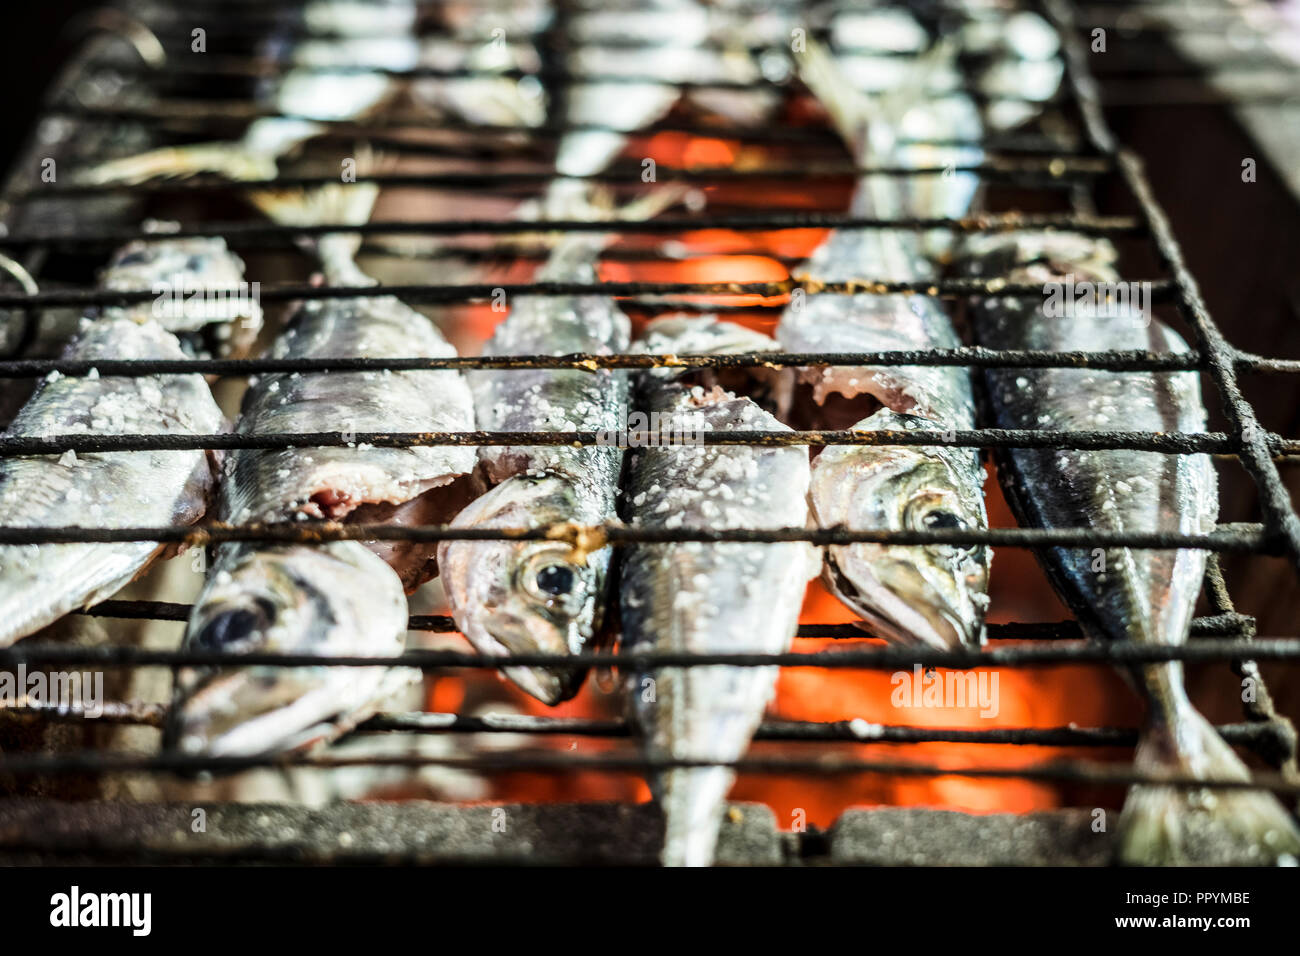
939 519
227 629
548 578
235 626
556 579
934 511
132 258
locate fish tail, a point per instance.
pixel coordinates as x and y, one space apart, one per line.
849 109
577 199
869 125
568 198
229 160
1163 826
693 801
346 203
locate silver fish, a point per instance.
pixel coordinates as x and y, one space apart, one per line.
1144 596
694 334
310 89
936 595
1017 55
484 98
708 598
542 596
41 582
341 598
624 107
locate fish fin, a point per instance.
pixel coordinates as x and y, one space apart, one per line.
568 198
502 100
228 160
693 801
1163 826
350 203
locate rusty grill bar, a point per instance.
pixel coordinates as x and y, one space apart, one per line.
1223 635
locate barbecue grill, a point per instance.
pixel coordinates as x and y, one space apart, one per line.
1052 169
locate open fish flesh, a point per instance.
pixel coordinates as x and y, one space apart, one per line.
933 595
1120 594
41 582
708 598
512 597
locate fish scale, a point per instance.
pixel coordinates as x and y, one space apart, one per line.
698 597
557 399
339 598
934 596
265 483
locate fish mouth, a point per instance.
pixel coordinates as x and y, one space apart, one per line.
506 635
550 686
897 603
259 712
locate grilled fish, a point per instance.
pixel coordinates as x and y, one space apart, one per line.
1016 56
623 107
623 89
39 583
343 598
418 484
511 597
1120 594
708 598
936 595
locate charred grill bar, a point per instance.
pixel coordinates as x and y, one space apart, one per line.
48 830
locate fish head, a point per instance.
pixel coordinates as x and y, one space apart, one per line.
199 281
935 595
334 600
526 597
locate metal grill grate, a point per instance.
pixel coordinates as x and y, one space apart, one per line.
1027 161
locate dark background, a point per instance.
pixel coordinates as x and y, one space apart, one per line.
36 36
